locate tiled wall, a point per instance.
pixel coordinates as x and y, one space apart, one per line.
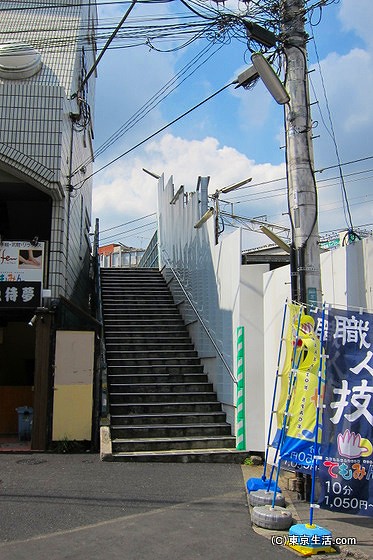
36 133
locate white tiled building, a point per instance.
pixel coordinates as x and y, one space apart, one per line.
46 133
46 137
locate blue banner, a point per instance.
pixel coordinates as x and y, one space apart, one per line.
346 467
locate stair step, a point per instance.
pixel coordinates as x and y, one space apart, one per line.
158 378
145 331
220 455
146 346
165 408
133 398
140 308
123 308
149 322
143 294
148 335
154 369
169 431
180 418
160 388
161 444
155 357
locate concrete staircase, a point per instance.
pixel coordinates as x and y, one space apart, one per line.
162 406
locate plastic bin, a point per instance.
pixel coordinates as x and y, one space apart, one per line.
25 414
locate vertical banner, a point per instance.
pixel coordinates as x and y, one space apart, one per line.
301 433
299 393
346 469
241 436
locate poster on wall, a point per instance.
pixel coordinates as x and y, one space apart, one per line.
346 467
21 274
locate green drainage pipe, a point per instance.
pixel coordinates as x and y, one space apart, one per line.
241 436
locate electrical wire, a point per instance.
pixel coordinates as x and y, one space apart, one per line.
106 46
154 134
127 223
153 223
331 132
188 70
254 196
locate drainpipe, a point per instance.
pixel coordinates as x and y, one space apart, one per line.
70 189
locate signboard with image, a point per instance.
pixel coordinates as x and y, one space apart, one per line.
21 274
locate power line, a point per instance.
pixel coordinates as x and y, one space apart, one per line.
106 46
120 234
283 178
127 223
155 133
188 70
254 196
331 133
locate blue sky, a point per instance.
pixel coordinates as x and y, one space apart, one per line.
239 133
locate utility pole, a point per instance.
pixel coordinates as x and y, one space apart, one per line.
305 269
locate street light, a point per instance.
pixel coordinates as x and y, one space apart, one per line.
151 173
270 78
204 218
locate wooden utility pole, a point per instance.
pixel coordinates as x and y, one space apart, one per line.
306 275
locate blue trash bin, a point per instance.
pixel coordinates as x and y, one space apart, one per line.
25 414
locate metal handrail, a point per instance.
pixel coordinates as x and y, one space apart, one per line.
104 404
220 354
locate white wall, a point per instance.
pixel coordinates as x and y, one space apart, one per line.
226 294
347 274
211 276
252 319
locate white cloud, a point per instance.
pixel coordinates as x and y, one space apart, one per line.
125 192
349 82
357 17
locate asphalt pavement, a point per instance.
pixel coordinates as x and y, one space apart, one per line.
76 507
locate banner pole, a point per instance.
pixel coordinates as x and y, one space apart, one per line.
241 434
292 379
274 392
315 452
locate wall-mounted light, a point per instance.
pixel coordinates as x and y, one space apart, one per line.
177 194
204 218
276 239
233 187
270 78
151 173
32 321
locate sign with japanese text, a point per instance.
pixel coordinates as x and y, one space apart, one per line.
21 261
346 467
20 294
299 394
21 274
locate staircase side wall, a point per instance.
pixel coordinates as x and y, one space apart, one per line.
251 318
211 275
